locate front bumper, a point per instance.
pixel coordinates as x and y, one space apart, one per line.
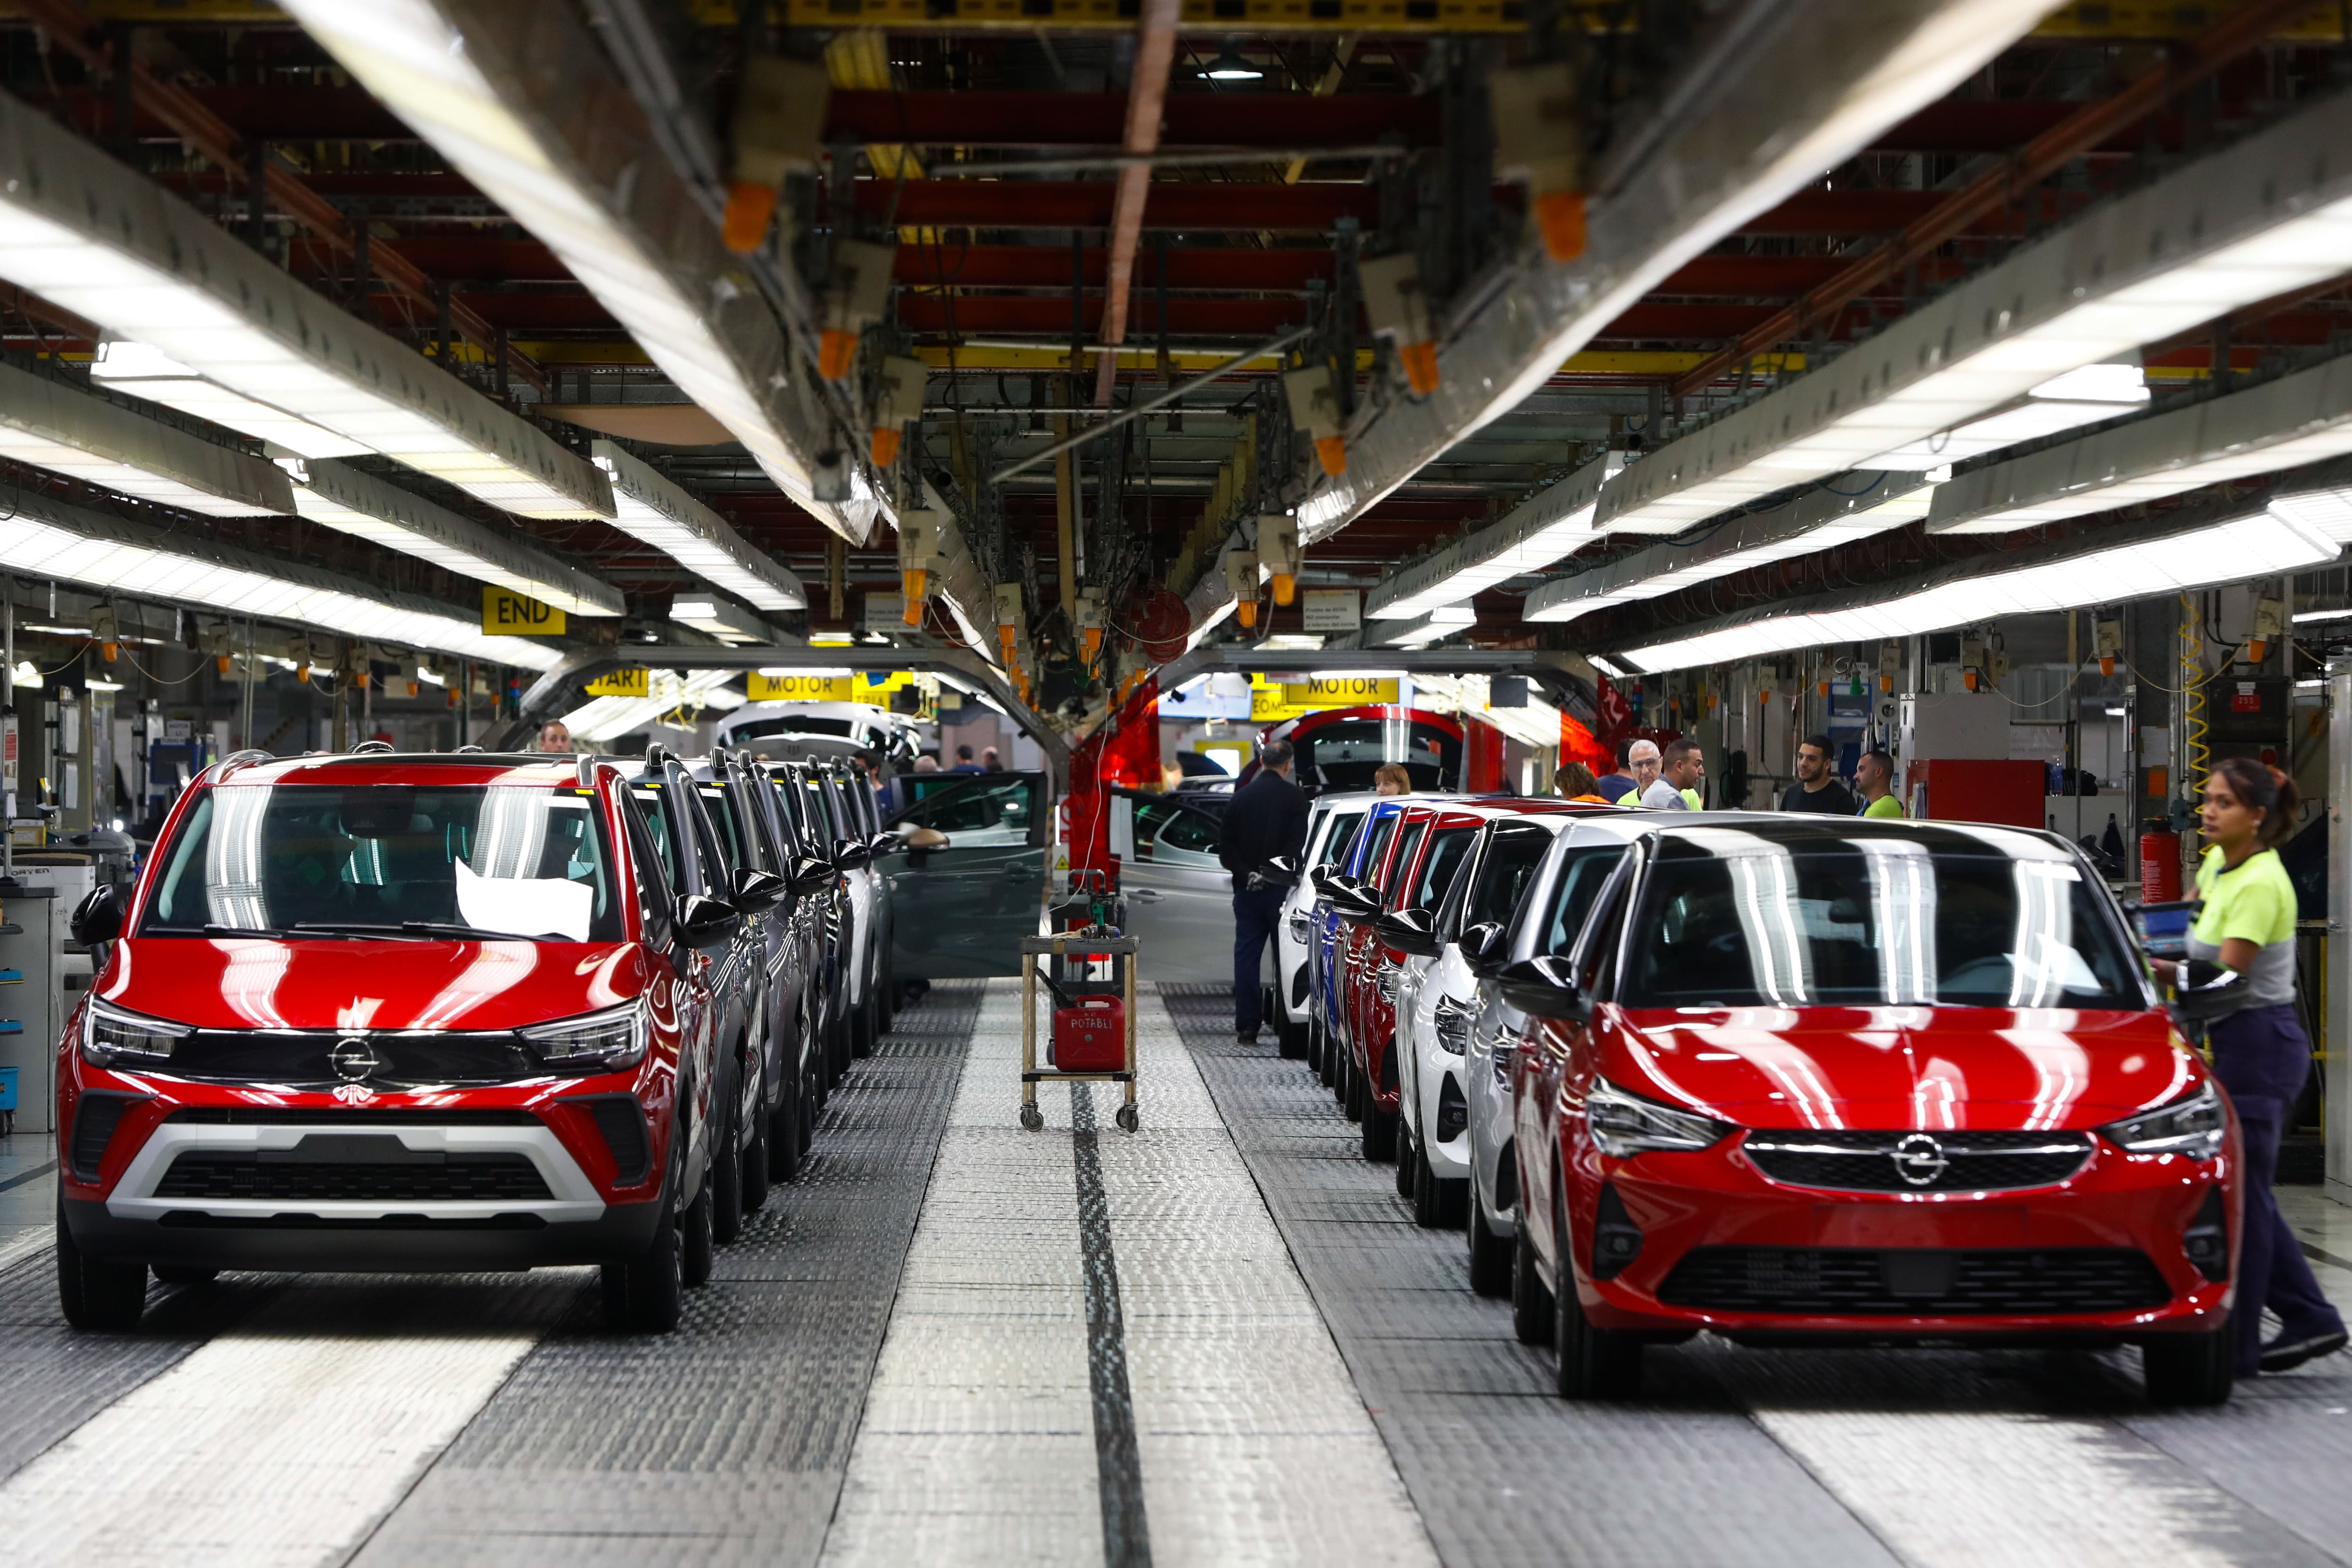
2118 1205
395 1243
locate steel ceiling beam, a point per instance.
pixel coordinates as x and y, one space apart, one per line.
1147 96
1189 121
1197 207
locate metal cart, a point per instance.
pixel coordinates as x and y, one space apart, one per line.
1075 951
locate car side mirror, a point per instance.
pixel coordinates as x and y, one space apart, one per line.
1284 868
812 875
849 853
704 922
882 844
1322 878
99 917
1409 931
756 892
1482 947
1542 987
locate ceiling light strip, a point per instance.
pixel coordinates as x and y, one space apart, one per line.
653 510
48 539
525 102
338 496
216 330
2241 548
52 425
2272 214
1548 526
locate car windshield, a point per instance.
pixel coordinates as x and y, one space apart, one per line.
509 861
1733 918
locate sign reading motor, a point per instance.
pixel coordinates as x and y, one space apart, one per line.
514 614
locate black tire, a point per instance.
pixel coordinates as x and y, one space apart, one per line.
1531 1304
184 1274
1290 1037
1379 1129
1404 1158
1594 1364
1490 1256
783 1143
861 1027
754 1163
889 995
1351 1091
646 1294
1314 1044
722 1189
1331 1052
1434 1203
696 1254
98 1298
2189 1369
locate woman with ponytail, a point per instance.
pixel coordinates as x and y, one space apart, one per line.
2260 1052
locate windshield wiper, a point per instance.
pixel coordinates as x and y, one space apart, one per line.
208 929
403 928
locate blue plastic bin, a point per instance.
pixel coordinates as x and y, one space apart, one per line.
8 1089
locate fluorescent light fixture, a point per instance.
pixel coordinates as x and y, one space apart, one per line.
2310 685
48 539
2257 546
26 673
2272 213
520 98
603 718
2117 712
2067 402
729 623
114 248
95 685
51 425
1230 66
655 511
831 639
1820 519
1546 527
58 631
1293 642
2305 417
1441 622
426 674
337 496
1606 667
2302 615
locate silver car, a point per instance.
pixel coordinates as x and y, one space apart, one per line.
1545 919
1330 823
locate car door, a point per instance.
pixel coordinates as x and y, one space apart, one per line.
1180 897
962 908
665 797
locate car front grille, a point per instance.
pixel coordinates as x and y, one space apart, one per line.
277 1178
1857 1162
1922 1282
305 1058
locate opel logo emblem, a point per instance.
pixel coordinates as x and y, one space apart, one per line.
1918 1160
353 1060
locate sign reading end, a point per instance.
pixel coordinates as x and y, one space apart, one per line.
514 614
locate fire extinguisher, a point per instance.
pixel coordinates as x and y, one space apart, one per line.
2159 867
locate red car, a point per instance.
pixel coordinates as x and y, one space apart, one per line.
1355 960
395 1013
1809 1079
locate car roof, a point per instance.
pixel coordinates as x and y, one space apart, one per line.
466 768
1797 831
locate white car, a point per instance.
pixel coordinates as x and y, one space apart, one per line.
769 727
1547 918
1331 822
1489 861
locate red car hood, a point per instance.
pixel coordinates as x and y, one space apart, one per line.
220 983
1934 1068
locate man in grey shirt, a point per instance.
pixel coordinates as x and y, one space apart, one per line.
1676 787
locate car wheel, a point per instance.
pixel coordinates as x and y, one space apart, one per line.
754 1163
1490 1256
696 1254
1428 1202
723 1191
1290 1037
1404 1159
2189 1369
1532 1308
1593 1364
861 1027
1314 1043
783 1140
184 1274
644 1294
1351 1095
104 1298
889 995
1379 1128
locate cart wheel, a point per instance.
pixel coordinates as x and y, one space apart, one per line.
1127 1117
1032 1117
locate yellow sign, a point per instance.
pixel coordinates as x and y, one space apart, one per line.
1352 692
514 614
798 688
622 683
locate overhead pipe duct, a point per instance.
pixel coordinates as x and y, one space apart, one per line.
216 330
655 511
522 99
2305 417
2223 544
48 538
729 623
1548 526
1818 519
1781 94
338 496
50 424
2271 213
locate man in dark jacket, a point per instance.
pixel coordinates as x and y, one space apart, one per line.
1267 818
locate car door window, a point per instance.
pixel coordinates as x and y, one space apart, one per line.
1445 856
1400 863
1376 841
1596 945
1582 874
1191 832
985 809
1334 847
676 862
734 847
651 879
1504 872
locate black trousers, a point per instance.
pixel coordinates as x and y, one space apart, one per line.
1254 915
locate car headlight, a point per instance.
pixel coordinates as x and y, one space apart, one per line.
1626 1124
116 1037
592 1042
2192 1125
1454 1022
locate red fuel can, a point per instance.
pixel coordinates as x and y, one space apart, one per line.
1090 1036
2159 867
